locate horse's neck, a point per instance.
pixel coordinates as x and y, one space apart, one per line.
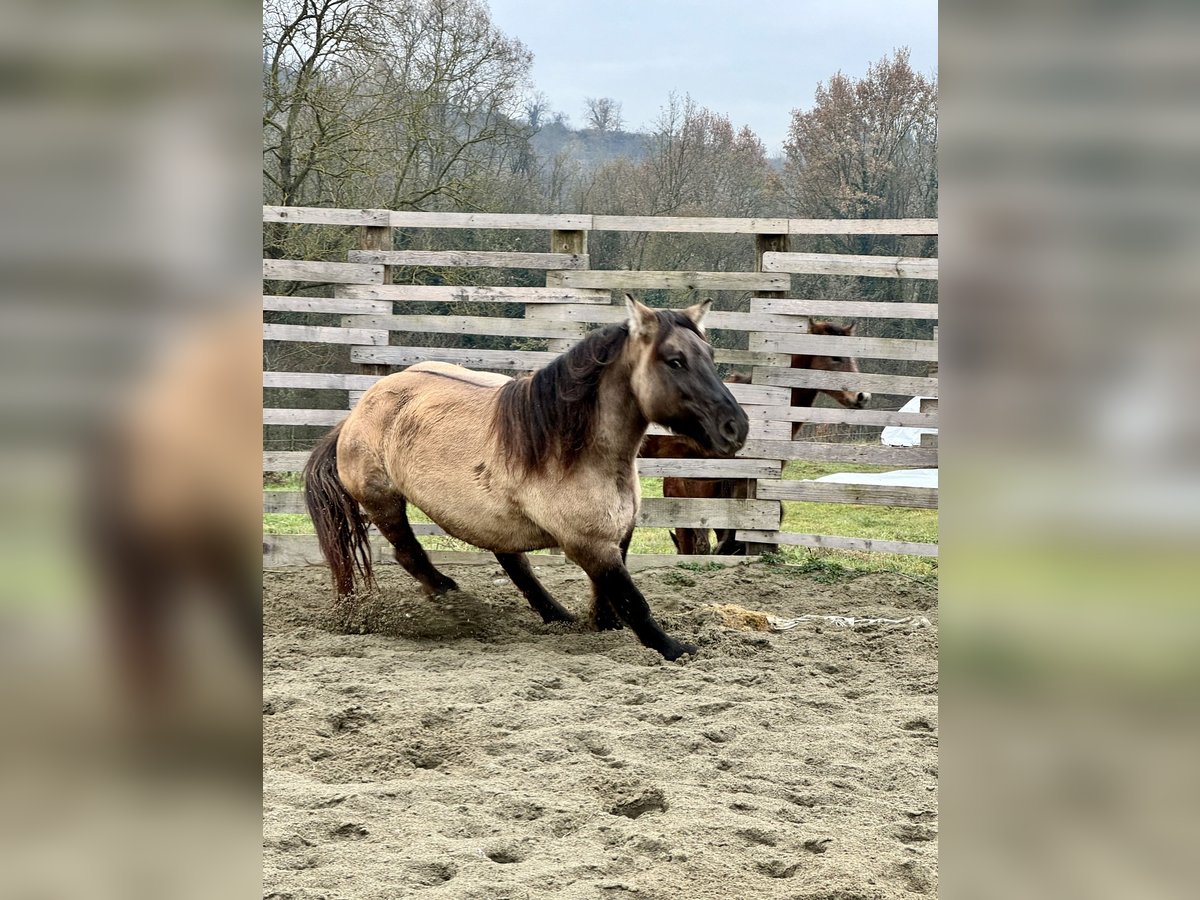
803 396
620 425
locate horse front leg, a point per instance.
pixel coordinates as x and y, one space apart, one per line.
613 585
518 569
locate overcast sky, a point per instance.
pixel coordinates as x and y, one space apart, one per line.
754 62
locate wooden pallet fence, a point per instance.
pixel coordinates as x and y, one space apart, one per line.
576 299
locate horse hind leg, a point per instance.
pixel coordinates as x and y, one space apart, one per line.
518 569
392 521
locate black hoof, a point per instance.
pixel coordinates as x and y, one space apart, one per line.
606 623
442 585
564 617
676 649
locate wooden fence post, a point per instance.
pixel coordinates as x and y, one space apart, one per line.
765 243
564 242
376 237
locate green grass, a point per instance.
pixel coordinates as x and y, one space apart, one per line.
879 522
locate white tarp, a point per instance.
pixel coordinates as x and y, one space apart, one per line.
898 478
895 436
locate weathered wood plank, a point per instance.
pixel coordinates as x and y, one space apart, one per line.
828 415
274 416
318 215
717 319
284 460
713 281
332 272
900 385
689 224
863 226
655 512
708 468
827 451
847 264
761 429
273 303
861 494
855 309
321 334
515 221
470 259
831 542
318 380
836 345
458 293
509 360
488 325
291 550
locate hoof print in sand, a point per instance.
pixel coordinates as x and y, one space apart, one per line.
633 801
778 868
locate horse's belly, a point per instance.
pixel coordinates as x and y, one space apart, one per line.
481 521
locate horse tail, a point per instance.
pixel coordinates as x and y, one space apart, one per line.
339 522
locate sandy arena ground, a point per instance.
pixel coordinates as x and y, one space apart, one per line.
461 749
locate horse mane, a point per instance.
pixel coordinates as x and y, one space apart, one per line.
553 412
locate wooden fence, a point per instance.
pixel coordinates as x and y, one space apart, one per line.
576 298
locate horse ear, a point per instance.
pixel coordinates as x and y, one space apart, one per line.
643 323
697 313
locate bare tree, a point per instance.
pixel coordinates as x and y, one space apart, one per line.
603 114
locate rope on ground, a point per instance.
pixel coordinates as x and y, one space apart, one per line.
778 624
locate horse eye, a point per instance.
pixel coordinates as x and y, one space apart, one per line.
676 363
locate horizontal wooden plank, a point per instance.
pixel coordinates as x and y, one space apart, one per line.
284 460
761 429
515 221
274 303
846 309
318 215
508 360
471 259
870 454
862 226
928 404
275 416
831 542
318 380
899 385
750 358
292 550
538 222
847 264
321 334
690 224
836 415
717 319
828 451
862 494
837 345
683 281
460 293
762 395
655 512
708 468
487 325
332 272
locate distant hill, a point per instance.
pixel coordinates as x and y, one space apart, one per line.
589 147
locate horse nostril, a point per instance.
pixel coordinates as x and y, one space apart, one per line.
729 429
863 398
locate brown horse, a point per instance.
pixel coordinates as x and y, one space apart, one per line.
547 460
695 540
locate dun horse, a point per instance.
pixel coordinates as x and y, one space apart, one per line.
516 465
695 540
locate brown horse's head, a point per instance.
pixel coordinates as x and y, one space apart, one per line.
851 399
675 380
